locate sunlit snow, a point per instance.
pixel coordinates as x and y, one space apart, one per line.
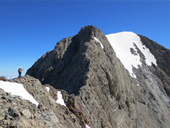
97 40
122 43
87 126
48 88
60 98
17 90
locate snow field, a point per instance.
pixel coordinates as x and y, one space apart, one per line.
122 43
17 90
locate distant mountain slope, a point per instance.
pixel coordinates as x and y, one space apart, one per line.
114 81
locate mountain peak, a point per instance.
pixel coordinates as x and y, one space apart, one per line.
89 28
118 80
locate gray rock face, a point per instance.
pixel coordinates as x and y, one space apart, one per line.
98 89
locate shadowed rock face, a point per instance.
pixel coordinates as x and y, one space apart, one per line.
101 91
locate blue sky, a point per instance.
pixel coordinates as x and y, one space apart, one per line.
28 29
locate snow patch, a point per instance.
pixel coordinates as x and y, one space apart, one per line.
48 88
60 99
123 43
87 126
17 90
97 40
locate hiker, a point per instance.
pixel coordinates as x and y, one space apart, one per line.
20 71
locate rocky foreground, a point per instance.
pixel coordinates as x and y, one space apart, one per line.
18 113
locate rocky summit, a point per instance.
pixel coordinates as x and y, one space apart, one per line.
119 80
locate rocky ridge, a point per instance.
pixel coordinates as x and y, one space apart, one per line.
96 87
19 113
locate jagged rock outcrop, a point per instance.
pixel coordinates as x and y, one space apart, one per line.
102 93
15 112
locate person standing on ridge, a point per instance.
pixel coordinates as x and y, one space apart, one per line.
20 71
